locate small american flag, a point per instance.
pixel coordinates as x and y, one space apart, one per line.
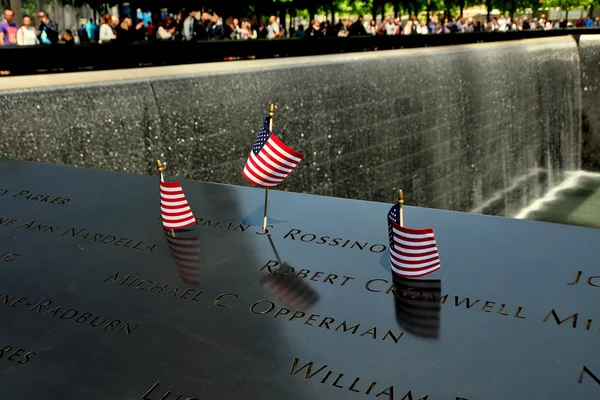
186 254
413 252
174 208
270 160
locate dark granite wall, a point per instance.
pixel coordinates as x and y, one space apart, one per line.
481 128
589 51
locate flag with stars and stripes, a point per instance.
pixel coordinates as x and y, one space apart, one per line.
413 252
186 254
270 160
174 208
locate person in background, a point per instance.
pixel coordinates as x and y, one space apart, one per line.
252 34
459 25
90 28
446 26
314 30
128 34
83 36
48 30
8 29
408 28
273 28
589 21
189 27
390 27
167 29
151 31
27 34
422 29
371 28
202 31
68 38
106 31
358 28
217 31
300 32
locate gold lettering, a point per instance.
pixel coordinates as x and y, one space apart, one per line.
310 319
282 311
140 283
368 285
346 329
467 300
487 305
337 380
558 320
394 338
219 297
389 392
297 314
576 280
346 279
326 321
308 367
585 369
589 281
268 265
256 303
372 332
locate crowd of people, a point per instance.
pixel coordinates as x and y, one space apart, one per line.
414 26
196 26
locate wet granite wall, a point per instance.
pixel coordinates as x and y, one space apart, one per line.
484 128
589 51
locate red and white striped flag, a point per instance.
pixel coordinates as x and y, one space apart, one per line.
174 208
186 253
270 160
413 252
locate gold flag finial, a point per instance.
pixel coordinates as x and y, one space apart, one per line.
160 166
272 110
400 204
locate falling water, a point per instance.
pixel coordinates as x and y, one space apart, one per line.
575 201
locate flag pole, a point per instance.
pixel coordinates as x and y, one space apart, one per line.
400 204
160 166
271 114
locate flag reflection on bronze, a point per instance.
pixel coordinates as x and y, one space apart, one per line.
418 305
292 291
186 254
282 283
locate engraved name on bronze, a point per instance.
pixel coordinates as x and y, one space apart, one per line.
47 307
571 320
157 393
586 371
31 196
326 376
267 307
148 285
78 234
589 280
15 354
6 257
296 235
226 300
271 267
